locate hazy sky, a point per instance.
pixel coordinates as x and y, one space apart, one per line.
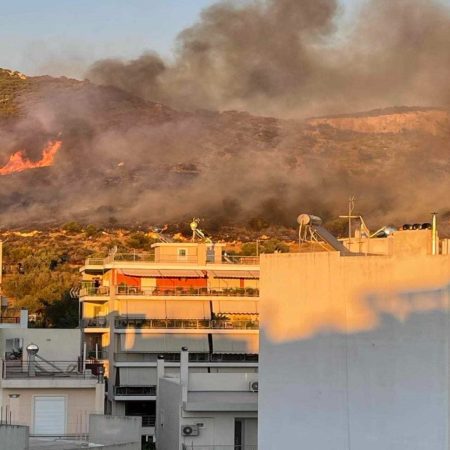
64 36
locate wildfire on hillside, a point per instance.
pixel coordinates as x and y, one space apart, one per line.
18 162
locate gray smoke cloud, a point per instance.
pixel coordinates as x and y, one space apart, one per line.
127 158
291 58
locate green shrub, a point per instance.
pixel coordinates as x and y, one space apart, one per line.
72 227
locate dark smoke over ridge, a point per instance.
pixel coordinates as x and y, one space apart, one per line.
292 58
128 158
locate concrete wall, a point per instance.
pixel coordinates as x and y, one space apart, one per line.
13 437
114 430
54 344
126 446
168 412
354 352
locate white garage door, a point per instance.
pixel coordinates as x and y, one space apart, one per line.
50 416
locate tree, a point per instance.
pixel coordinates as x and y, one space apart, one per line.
40 280
139 240
63 313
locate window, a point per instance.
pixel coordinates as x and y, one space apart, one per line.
182 254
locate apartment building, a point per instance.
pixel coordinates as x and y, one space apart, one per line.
137 306
354 344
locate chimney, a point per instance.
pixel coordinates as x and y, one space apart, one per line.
184 372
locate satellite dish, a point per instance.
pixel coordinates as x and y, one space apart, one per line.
32 349
194 224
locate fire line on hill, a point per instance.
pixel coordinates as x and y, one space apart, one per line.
18 162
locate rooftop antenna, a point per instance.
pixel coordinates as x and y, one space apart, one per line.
161 236
350 216
194 227
196 232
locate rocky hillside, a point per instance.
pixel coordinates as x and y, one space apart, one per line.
391 120
125 160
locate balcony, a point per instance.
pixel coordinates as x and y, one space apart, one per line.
10 320
94 261
97 354
17 369
192 324
94 291
150 257
148 421
95 322
135 391
246 260
184 291
193 357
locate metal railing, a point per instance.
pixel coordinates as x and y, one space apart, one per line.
187 291
135 391
219 447
9 319
193 357
45 369
148 421
94 291
95 322
121 323
170 258
94 261
97 355
235 259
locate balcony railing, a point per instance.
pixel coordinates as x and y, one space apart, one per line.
248 260
9 319
187 291
46 369
122 323
193 357
219 447
148 421
97 354
94 261
95 322
94 291
170 258
135 391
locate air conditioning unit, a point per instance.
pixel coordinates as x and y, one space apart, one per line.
253 386
190 430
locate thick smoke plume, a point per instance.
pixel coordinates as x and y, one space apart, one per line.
295 58
125 158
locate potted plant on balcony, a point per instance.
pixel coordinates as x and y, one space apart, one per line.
122 288
250 291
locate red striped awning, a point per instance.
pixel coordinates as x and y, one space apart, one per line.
240 274
163 273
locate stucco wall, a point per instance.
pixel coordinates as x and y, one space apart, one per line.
114 430
168 413
13 437
354 352
54 344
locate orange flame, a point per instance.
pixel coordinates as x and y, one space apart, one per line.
18 162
